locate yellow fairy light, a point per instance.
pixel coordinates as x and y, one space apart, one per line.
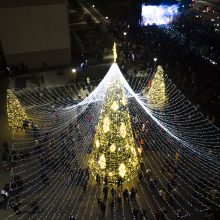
134 151
122 170
102 161
140 150
112 148
124 102
106 124
123 130
97 143
134 162
114 106
110 174
91 161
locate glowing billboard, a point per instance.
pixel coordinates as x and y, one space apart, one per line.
158 14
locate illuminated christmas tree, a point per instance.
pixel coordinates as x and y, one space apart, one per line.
155 93
15 111
114 153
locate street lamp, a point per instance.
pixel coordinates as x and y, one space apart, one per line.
93 6
106 18
155 60
73 75
73 70
125 33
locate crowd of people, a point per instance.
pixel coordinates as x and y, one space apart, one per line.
187 49
118 198
168 189
11 191
52 156
57 153
177 50
11 194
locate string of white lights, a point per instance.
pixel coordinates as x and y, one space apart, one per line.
155 165
178 142
157 145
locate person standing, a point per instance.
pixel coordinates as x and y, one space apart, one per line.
5 155
106 180
98 179
133 194
15 207
120 182
103 208
99 203
119 199
105 192
125 195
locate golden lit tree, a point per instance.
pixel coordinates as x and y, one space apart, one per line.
15 111
114 153
155 93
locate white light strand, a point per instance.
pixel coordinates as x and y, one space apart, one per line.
177 128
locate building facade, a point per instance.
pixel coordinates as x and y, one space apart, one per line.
35 33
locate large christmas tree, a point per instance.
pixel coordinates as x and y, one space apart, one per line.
155 93
16 113
114 153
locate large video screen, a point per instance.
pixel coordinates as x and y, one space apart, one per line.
158 14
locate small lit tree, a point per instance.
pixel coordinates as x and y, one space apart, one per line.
155 92
15 111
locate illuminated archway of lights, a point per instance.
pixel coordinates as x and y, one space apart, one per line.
179 143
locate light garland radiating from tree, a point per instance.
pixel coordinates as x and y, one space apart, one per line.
114 153
15 111
156 94
180 137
